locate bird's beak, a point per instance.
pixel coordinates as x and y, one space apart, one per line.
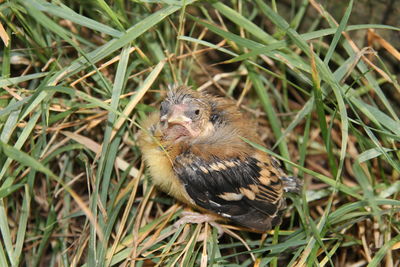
178 124
177 116
179 119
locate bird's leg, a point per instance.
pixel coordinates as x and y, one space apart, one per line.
195 217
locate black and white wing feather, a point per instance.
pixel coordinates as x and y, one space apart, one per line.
247 190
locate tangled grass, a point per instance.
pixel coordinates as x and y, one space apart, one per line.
78 76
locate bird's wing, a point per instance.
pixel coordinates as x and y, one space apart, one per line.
247 190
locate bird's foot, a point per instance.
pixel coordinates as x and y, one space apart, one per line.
198 218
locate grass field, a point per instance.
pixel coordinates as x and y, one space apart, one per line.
77 77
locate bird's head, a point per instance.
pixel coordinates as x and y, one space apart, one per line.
185 114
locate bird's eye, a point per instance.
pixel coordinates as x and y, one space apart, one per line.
197 112
164 108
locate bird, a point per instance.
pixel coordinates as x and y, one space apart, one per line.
195 150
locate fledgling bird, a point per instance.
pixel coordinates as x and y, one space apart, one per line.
194 150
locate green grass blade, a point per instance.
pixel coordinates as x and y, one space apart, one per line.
21 140
16 80
371 154
267 105
130 35
5 233
116 93
376 260
238 19
110 12
3 260
69 14
338 33
22 226
10 125
326 76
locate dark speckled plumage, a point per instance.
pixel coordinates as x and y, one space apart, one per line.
205 186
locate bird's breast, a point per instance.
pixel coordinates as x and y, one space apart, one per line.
159 162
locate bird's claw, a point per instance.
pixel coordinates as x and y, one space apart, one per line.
198 218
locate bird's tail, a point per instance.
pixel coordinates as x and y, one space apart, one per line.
292 184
